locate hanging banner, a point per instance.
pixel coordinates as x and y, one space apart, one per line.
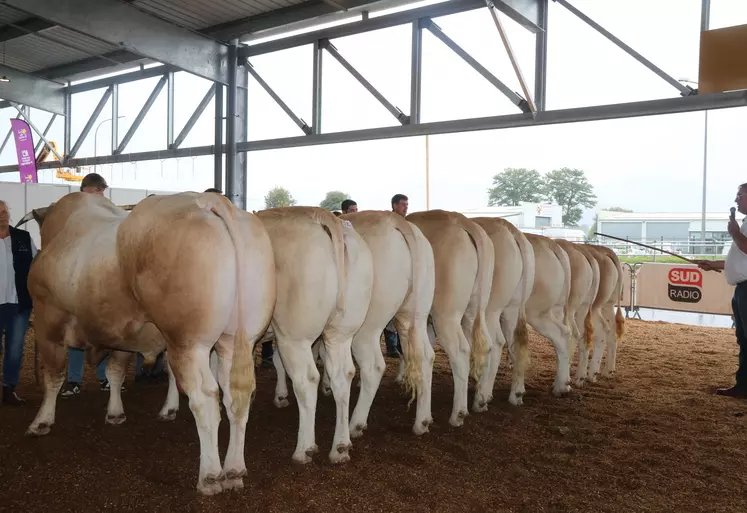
24 150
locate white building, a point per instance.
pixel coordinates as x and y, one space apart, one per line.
540 218
676 230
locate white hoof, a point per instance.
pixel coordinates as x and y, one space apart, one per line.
281 402
116 420
40 429
168 415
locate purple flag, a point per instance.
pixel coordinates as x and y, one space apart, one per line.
24 150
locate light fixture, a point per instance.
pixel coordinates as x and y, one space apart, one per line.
4 79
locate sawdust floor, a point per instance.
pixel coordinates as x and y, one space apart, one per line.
654 438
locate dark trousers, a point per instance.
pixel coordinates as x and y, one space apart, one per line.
739 306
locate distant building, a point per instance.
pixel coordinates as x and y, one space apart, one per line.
540 218
678 231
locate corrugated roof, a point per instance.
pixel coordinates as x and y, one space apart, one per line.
10 15
35 53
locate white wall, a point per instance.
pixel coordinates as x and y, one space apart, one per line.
23 197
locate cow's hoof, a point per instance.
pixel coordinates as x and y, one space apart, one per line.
281 402
421 428
458 420
234 480
116 420
326 391
39 430
516 400
302 459
358 430
480 406
209 489
341 454
168 416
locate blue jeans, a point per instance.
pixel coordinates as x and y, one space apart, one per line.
739 307
15 324
157 367
76 358
392 341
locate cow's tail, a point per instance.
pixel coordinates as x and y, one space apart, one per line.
333 226
521 333
414 356
589 320
480 348
242 378
619 318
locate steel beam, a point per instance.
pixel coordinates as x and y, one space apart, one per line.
124 78
540 58
474 64
684 90
44 134
127 27
705 15
90 66
170 109
231 93
242 111
416 65
218 145
395 111
195 116
25 112
300 123
89 124
115 116
141 115
316 89
67 132
32 91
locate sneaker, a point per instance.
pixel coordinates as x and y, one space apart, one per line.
10 397
70 389
106 387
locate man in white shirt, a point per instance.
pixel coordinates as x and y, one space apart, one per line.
735 268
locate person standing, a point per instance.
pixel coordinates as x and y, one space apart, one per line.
391 338
16 255
349 206
735 268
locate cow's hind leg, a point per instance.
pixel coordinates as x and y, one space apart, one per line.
298 360
367 352
53 359
484 389
116 367
171 406
550 325
455 344
234 465
514 329
192 370
338 365
281 385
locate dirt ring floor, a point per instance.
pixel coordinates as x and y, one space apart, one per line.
654 438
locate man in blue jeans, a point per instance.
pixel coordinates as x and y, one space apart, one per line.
735 269
17 251
92 183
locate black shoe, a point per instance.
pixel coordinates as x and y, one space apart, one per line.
10 397
71 388
105 387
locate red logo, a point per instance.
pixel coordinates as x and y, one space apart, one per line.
681 276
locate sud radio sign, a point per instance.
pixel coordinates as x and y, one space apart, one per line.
685 285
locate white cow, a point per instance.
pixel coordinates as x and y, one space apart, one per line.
191 265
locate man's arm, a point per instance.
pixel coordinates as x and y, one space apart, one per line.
711 265
739 239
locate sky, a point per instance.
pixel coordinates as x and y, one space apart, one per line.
648 164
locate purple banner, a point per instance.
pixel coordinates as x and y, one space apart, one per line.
24 150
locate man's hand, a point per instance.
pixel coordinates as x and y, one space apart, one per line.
733 229
706 265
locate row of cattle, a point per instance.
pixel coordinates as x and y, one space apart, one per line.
190 273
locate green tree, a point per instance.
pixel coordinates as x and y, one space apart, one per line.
514 185
590 235
333 199
279 197
570 189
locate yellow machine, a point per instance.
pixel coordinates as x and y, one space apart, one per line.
67 174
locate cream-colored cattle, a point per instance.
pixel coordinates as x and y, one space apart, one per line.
464 262
546 308
198 269
584 288
324 276
609 326
513 278
404 282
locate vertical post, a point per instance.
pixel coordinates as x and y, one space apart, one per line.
316 90
170 110
242 107
231 191
67 145
540 59
115 117
218 164
416 71
705 20
427 176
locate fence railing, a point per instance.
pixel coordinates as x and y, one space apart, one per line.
688 248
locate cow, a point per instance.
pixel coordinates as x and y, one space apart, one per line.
190 265
403 289
324 281
584 287
513 278
546 308
610 325
464 261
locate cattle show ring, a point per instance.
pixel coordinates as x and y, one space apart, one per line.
201 349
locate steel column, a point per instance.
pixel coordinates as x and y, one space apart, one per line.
194 117
300 123
231 94
170 109
684 91
68 133
218 145
115 116
474 64
316 90
242 110
416 71
141 115
24 114
705 22
89 124
540 58
398 114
